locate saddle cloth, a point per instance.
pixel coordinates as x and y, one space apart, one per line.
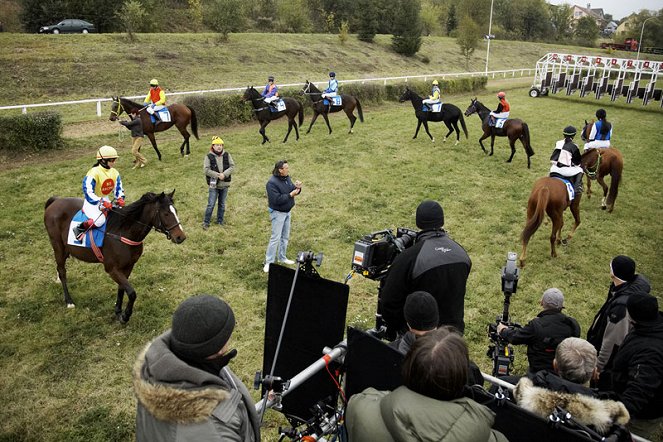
164 114
98 233
277 106
335 101
569 187
435 107
499 123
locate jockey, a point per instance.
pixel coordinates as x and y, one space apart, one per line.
101 185
434 98
332 87
271 92
565 160
601 132
502 110
155 99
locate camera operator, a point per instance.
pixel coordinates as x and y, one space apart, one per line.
435 264
543 333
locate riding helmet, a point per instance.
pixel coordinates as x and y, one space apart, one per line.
217 140
569 131
154 82
435 82
332 74
501 95
600 114
106 153
270 78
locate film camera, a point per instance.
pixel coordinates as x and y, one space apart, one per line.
375 252
500 351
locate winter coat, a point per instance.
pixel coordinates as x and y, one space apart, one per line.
435 264
600 414
637 373
278 193
551 381
403 415
178 402
214 164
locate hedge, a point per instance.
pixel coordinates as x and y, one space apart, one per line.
38 131
223 110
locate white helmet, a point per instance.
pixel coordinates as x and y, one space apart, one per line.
106 153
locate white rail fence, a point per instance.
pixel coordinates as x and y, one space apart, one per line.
490 74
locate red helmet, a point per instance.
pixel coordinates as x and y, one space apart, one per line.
501 95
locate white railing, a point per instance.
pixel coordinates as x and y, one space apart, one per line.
443 76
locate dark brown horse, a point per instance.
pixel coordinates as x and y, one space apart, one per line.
180 117
514 129
450 115
549 196
600 162
264 114
123 244
348 105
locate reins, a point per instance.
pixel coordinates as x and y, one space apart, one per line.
157 228
592 171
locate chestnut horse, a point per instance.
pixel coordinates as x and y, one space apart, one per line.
180 116
549 196
450 115
123 243
348 105
514 129
264 114
600 162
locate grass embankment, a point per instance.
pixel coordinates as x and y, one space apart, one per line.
66 373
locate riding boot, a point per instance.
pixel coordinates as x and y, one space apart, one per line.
79 230
157 120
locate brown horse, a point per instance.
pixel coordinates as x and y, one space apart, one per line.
264 114
123 243
600 162
514 129
549 196
349 103
180 117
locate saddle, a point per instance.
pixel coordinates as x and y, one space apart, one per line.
334 101
435 107
98 233
277 105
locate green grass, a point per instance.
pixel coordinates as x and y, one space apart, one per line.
65 374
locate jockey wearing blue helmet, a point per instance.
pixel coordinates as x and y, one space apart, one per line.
332 87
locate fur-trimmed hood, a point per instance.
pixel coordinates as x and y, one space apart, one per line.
173 391
599 413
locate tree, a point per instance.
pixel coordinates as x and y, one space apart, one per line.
343 32
562 21
430 19
225 16
534 21
132 17
468 38
586 31
293 16
406 36
367 25
452 20
195 13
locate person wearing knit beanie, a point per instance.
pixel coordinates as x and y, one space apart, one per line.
420 312
430 215
623 268
642 308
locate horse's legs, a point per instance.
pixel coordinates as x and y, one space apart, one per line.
150 135
263 124
61 256
296 126
315 117
351 117
291 122
427 131
118 302
451 129
186 136
557 224
589 187
575 211
483 137
416 132
492 144
121 277
512 143
326 117
455 125
601 181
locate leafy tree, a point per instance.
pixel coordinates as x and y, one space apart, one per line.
586 31
293 16
367 25
195 13
534 21
653 32
452 20
37 13
225 16
343 32
477 10
562 21
132 16
469 34
430 19
406 36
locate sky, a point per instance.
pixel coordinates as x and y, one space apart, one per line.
618 8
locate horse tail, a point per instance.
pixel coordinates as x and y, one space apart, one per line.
528 146
301 114
361 114
53 198
615 178
194 123
535 221
462 123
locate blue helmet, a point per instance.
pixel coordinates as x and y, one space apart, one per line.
332 74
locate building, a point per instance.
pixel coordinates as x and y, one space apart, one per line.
597 14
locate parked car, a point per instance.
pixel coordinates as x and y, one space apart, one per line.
69 26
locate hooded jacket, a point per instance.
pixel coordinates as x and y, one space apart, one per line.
600 414
178 402
403 415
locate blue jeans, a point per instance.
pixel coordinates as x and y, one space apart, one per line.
280 236
214 195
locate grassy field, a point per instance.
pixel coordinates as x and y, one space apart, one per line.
65 374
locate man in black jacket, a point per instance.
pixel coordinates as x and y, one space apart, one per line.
543 333
435 264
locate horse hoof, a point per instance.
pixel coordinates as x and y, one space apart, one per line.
121 319
522 264
456 143
444 140
71 306
432 140
603 207
564 242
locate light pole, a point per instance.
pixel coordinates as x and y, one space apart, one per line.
641 33
489 36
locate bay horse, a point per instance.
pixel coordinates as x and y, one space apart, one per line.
600 162
265 115
348 105
549 196
450 115
123 242
514 129
180 116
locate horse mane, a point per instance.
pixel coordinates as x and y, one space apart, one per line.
121 217
313 89
131 103
480 106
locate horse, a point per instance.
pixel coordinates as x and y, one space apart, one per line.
180 116
549 195
349 103
600 162
514 129
264 114
450 115
123 242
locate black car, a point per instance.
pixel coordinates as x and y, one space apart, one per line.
69 26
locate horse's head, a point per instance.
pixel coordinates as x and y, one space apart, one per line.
406 95
472 108
250 94
306 89
116 109
586 130
166 220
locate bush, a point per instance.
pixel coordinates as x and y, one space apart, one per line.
37 131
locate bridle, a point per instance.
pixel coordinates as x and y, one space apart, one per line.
161 229
158 227
120 108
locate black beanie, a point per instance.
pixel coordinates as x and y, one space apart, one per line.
202 326
420 311
430 215
642 308
623 267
